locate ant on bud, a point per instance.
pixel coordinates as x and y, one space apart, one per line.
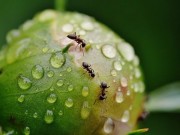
103 87
88 68
78 40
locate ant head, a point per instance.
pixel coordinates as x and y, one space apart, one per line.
83 44
92 74
103 85
84 64
72 36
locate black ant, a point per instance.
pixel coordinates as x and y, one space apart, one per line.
103 87
88 68
78 40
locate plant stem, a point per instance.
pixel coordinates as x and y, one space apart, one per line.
60 5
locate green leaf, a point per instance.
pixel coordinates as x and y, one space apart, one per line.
138 131
165 99
60 5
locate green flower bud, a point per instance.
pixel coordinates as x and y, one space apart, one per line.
44 88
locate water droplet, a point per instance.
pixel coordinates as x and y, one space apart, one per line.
27 25
127 51
60 74
52 89
68 28
136 61
52 98
108 126
24 83
12 34
27 131
60 113
37 72
69 102
69 69
128 93
60 83
35 115
109 51
50 73
85 91
124 82
85 111
45 49
98 46
119 96
21 99
47 15
87 25
125 116
137 73
70 87
117 65
57 60
49 117
113 73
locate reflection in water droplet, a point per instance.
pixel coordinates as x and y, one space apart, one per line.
85 91
69 69
37 72
70 87
60 113
21 99
125 116
52 98
35 115
67 28
109 51
49 117
87 25
50 73
117 65
85 110
124 82
24 83
119 97
57 60
69 102
113 73
60 83
45 49
108 126
27 131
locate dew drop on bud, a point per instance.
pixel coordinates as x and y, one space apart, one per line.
69 103
52 98
108 126
27 131
49 117
109 51
85 110
24 83
37 72
57 60
125 116
21 99
60 83
85 91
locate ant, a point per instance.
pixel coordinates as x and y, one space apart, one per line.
88 68
103 87
78 40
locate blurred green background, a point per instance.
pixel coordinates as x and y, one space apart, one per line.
152 27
